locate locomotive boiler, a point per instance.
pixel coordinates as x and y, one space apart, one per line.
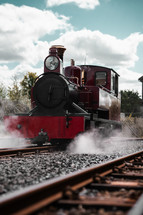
68 101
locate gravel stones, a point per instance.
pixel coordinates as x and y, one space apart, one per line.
22 171
19 172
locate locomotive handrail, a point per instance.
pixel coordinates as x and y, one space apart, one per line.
104 88
77 79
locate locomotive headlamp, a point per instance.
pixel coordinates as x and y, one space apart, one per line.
52 62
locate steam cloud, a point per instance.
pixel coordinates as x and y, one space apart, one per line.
7 139
93 142
10 140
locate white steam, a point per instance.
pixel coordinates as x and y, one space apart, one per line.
10 140
93 142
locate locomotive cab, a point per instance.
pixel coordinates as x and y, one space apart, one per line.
100 93
107 80
100 76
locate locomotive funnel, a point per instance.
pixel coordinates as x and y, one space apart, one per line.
60 49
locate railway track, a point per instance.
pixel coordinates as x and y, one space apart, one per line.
5 152
29 149
112 188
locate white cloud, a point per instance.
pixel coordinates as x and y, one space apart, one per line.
105 50
100 48
4 74
7 75
84 4
129 80
22 27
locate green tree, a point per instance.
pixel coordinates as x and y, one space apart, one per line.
130 102
14 92
27 83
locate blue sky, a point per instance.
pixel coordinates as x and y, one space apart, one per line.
106 32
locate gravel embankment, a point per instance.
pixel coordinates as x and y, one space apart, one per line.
20 172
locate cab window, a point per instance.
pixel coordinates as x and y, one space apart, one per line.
100 78
114 83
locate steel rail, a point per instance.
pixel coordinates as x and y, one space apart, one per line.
124 139
38 196
30 149
20 151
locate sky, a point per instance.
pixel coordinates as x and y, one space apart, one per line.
99 32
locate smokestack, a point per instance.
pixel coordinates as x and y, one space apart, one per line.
60 50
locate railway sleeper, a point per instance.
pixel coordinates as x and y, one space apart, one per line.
97 199
114 193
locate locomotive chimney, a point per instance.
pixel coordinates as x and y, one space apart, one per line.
72 62
53 51
60 50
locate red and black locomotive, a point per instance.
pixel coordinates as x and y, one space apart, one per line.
69 101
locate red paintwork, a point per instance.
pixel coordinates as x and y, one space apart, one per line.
90 97
53 125
94 97
57 51
74 74
90 92
90 75
90 70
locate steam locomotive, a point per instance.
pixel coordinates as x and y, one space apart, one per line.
69 101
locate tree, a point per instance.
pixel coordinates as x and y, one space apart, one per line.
14 92
130 102
27 83
3 91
